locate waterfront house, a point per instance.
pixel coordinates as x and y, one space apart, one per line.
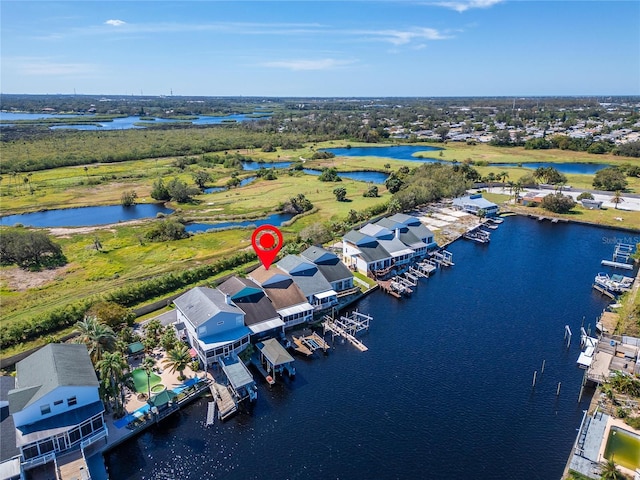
285 295
364 253
55 404
214 324
331 267
315 287
389 240
259 313
476 204
412 232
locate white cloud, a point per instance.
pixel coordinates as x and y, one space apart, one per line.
463 6
115 23
297 65
399 37
44 67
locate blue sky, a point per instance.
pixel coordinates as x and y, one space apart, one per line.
321 48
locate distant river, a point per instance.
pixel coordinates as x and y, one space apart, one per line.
444 390
124 123
407 152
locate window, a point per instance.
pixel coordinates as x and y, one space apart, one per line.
45 409
72 401
74 435
30 452
85 429
220 323
57 402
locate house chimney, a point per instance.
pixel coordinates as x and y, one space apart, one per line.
397 233
227 299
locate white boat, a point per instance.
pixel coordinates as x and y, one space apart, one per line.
496 220
614 283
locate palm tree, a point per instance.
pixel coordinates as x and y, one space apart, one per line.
608 471
98 337
617 198
111 369
178 359
517 188
147 365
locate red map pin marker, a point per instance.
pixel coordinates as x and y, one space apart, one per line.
267 242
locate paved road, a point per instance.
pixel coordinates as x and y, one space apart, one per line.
630 201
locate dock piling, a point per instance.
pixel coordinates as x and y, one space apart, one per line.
542 371
534 378
558 390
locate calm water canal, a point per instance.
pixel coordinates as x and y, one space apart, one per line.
443 392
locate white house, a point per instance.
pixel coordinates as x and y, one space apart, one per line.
476 204
214 324
364 253
55 403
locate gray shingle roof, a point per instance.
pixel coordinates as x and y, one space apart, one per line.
305 274
274 352
202 303
328 263
374 253
55 365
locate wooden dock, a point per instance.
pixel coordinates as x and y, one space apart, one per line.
224 400
332 327
385 286
348 327
309 344
72 466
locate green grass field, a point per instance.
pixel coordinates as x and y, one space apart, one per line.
126 257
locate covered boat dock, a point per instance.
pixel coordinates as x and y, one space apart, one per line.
274 358
240 379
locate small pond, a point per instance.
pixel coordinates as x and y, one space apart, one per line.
243 182
276 219
85 216
371 177
252 166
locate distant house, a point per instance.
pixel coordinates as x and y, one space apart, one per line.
55 404
315 287
331 267
259 313
591 204
476 204
214 324
532 198
285 295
